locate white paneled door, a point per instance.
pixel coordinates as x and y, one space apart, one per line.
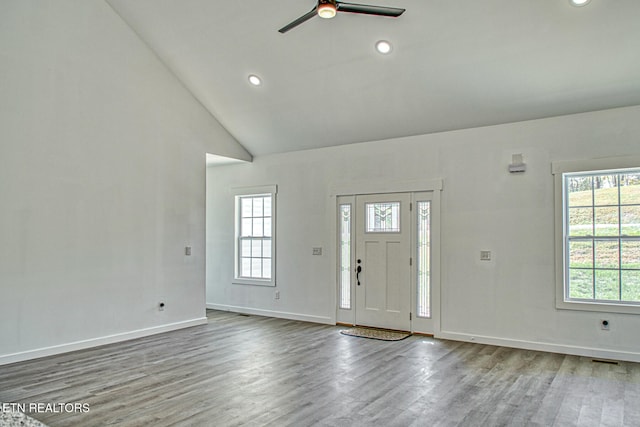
383 261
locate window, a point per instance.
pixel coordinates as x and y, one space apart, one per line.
600 245
345 256
383 217
255 236
423 264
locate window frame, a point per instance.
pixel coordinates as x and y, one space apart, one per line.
611 165
239 193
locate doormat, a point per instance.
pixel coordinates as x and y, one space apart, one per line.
376 334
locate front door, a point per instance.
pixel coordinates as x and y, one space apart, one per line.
383 257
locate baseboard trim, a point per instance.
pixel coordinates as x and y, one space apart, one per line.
597 353
96 342
272 313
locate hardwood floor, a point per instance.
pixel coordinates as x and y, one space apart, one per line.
256 371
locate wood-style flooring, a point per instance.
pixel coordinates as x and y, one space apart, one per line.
256 371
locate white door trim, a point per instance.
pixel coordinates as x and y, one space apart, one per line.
342 195
351 188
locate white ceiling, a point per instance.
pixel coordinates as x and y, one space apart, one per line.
455 64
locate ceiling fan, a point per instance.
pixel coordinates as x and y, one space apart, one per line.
329 8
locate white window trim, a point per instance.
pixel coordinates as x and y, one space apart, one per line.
248 191
591 165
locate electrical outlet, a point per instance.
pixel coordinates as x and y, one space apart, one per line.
317 251
277 294
604 325
187 250
485 255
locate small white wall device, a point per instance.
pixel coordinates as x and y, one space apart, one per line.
517 164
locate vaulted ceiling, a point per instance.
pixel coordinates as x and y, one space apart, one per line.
455 64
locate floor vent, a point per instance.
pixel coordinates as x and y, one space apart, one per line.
609 362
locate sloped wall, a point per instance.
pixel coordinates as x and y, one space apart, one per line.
102 182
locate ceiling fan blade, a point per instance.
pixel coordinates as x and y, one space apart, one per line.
369 9
302 19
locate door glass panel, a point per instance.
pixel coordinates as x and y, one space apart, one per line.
424 259
383 217
344 220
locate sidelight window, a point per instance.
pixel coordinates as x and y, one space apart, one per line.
344 222
424 259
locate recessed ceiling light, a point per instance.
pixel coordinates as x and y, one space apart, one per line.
579 3
383 46
255 80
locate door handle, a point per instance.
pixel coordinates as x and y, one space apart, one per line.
358 270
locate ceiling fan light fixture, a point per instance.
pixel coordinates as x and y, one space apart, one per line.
579 3
327 9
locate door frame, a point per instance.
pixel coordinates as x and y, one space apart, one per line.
346 193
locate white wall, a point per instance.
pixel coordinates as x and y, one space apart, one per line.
102 182
509 300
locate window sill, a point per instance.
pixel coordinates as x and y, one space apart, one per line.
254 282
601 307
